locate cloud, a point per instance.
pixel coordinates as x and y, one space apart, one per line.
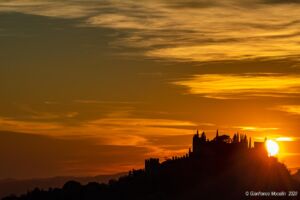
292 109
118 21
42 115
285 139
134 130
44 156
215 33
30 126
88 148
280 1
235 86
110 131
203 31
179 4
229 51
88 101
256 129
50 8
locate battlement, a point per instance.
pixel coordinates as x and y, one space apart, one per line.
220 144
220 147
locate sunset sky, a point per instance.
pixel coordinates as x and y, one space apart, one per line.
91 87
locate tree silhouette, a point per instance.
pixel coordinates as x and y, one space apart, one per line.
222 168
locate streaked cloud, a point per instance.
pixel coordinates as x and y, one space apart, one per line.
292 109
52 156
129 131
230 51
107 138
282 1
256 129
291 154
193 39
285 139
203 31
11 124
133 130
279 138
88 101
234 86
49 8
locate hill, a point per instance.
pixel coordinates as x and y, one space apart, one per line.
222 168
297 175
18 187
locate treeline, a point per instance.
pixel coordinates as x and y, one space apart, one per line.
186 178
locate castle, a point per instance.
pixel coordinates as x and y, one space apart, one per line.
222 146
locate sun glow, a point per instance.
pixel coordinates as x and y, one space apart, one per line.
272 147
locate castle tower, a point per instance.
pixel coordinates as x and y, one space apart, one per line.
250 143
152 165
195 141
203 137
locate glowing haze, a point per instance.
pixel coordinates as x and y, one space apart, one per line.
94 87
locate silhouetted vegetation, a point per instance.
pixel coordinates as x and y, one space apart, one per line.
18 187
222 168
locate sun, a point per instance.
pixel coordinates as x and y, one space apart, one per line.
272 147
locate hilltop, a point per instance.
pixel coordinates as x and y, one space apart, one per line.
221 168
21 186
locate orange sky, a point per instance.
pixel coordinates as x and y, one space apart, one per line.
95 87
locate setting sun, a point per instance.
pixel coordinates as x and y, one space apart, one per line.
272 147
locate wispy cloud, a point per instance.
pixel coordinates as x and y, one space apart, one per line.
256 129
112 132
285 139
292 109
88 101
76 156
115 131
30 126
221 32
33 114
281 1
231 86
49 8
203 31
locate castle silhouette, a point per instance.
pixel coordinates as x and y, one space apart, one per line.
221 168
221 146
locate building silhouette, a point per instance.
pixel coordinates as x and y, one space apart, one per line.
221 168
220 147
152 165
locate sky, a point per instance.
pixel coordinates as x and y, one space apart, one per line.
96 86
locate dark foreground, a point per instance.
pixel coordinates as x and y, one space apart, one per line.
216 171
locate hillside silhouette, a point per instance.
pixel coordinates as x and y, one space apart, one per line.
297 175
221 168
21 186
